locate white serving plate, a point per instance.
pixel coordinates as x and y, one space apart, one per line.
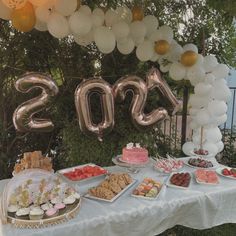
61 173
196 167
219 171
148 198
117 161
199 182
114 198
168 183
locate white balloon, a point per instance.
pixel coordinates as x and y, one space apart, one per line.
193 125
125 14
193 111
198 101
213 135
5 12
210 78
111 17
99 12
165 67
190 47
175 52
211 148
58 25
202 89
80 23
44 11
221 71
127 47
210 62
138 41
151 24
220 91
220 146
65 8
197 139
166 33
177 71
195 73
219 120
145 51
187 148
217 108
104 39
121 29
84 40
202 117
41 26
85 9
137 29
97 20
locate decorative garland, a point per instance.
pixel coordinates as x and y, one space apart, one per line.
130 30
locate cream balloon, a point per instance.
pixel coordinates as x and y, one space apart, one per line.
127 47
177 71
121 29
38 3
137 29
80 23
64 7
43 12
187 148
151 24
58 25
97 20
14 4
190 47
85 40
104 39
5 12
85 9
124 14
40 26
145 51
111 17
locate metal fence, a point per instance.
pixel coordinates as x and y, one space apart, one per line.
177 134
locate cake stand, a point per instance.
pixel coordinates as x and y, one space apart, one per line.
133 168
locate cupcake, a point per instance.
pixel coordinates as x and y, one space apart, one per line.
76 196
12 209
61 207
70 202
55 200
36 214
46 206
23 213
52 212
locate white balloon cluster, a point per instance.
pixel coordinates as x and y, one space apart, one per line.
152 42
208 106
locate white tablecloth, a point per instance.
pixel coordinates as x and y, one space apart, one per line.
200 207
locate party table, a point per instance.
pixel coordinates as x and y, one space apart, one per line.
199 207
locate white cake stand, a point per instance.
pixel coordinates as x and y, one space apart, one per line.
133 168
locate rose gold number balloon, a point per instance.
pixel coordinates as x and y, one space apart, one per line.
82 103
154 80
23 117
140 91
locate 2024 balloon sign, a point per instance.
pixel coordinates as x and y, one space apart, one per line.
24 120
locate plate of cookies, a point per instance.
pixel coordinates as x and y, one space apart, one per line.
111 188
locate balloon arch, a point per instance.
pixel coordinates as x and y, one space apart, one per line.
129 30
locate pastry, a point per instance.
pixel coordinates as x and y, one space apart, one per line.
70 202
46 206
23 213
12 209
52 212
61 207
36 214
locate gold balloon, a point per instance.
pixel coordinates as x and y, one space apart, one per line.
162 47
24 19
189 58
137 13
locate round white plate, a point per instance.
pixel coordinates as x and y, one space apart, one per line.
202 156
196 167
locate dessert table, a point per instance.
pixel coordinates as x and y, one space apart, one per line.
199 207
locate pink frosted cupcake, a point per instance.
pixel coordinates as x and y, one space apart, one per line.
52 212
61 207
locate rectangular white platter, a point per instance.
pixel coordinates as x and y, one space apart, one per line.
114 198
149 198
169 184
219 172
61 174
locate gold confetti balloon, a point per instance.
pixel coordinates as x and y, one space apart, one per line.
137 13
189 58
162 47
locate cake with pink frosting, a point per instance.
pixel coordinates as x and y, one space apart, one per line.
134 154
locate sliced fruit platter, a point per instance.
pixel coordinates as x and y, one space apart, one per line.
83 172
111 188
227 172
206 177
147 189
168 165
180 180
199 163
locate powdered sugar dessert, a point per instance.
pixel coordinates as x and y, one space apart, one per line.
134 154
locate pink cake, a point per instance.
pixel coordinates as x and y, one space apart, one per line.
134 155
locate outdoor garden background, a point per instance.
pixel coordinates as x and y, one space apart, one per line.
208 24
